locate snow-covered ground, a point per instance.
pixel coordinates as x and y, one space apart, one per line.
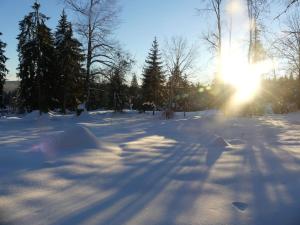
105 168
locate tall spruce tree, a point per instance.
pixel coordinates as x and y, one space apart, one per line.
69 58
153 77
3 69
36 68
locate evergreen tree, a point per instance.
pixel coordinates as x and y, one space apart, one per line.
153 77
36 67
134 86
117 89
69 58
3 70
177 87
117 86
134 92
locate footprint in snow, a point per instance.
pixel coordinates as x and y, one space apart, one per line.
242 206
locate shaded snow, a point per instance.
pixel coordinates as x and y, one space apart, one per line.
131 168
71 139
219 142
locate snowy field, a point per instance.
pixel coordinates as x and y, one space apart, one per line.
136 169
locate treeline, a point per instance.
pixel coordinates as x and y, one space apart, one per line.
282 93
84 66
59 72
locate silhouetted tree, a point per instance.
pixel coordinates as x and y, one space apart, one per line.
36 68
180 59
134 92
117 81
3 69
97 19
69 57
153 77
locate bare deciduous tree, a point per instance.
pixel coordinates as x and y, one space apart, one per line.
289 45
290 3
96 21
214 38
179 58
255 8
178 55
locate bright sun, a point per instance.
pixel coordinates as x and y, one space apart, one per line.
244 77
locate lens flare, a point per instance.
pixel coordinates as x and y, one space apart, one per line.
244 77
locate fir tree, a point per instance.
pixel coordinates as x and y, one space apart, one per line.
3 70
36 67
117 89
117 86
134 92
134 85
153 77
69 58
177 87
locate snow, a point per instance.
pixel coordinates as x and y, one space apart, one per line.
74 138
34 115
131 168
219 142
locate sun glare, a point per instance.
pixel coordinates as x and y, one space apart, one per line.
244 77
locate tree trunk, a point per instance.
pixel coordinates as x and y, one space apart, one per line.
89 58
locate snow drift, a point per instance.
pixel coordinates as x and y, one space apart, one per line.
74 138
219 142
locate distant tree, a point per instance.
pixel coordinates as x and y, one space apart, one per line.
179 58
97 19
36 62
117 81
153 77
214 37
69 58
3 69
289 45
134 92
255 10
289 48
258 52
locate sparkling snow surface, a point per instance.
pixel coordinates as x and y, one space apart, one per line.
135 169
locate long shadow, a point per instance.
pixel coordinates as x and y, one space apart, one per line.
127 179
285 183
143 180
273 187
140 189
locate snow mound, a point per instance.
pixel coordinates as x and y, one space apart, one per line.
85 115
77 137
35 115
219 142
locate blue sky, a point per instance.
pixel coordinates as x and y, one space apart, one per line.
140 21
